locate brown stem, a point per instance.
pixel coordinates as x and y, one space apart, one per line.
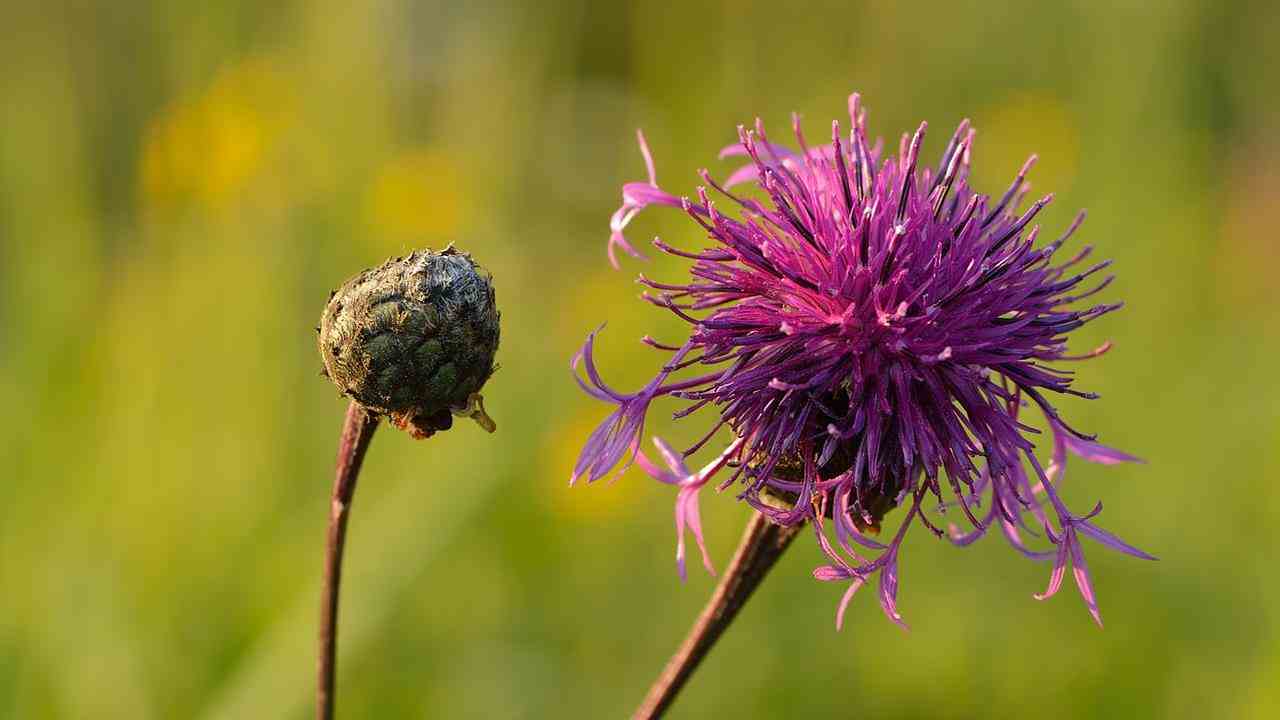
357 433
762 544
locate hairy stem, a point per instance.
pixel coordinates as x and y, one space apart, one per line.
761 546
357 433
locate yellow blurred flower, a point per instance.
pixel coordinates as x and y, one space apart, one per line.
208 148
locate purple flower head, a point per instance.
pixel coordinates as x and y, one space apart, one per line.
869 331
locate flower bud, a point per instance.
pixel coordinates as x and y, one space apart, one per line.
414 339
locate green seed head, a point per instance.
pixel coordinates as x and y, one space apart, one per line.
414 339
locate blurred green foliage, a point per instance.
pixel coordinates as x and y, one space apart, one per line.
181 184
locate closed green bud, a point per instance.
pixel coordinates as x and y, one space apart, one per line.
414 339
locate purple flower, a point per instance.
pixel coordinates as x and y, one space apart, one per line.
687 500
868 331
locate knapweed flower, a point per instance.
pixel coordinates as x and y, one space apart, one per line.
868 331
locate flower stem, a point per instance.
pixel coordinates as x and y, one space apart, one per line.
357 433
761 546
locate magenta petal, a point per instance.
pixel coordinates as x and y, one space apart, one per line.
594 460
830 573
635 197
844 601
648 157
1055 577
680 501
738 150
655 472
642 195
1112 541
1081 572
687 511
845 530
963 539
694 518
889 593
1097 452
746 173
1064 440
734 150
618 240
825 544
1015 540
616 438
673 459
597 389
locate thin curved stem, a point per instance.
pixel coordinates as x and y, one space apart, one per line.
761 546
357 433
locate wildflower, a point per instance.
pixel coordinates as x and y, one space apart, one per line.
869 332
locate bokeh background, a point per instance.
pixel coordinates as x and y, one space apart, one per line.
181 184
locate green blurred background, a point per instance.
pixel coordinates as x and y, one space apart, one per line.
181 184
